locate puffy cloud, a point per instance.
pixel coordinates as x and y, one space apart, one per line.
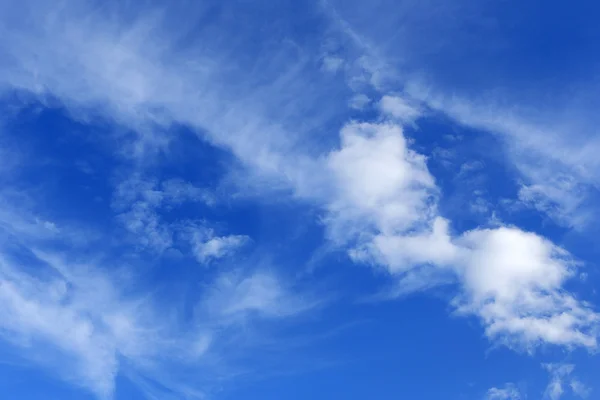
514 281
384 207
511 279
402 252
544 137
378 181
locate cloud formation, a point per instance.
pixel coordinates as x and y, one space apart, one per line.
386 206
71 306
507 392
377 197
561 380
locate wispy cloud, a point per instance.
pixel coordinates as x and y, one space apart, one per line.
235 295
400 108
580 389
89 317
558 179
507 392
207 247
558 372
561 379
140 202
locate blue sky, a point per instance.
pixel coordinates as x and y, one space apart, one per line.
299 200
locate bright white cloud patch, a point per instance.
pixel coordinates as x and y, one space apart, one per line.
512 280
380 183
432 244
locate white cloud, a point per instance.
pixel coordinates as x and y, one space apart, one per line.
132 73
139 201
511 279
234 296
378 195
544 135
401 252
558 177
400 108
560 197
89 318
561 379
558 372
82 325
580 389
138 75
145 224
384 206
507 392
514 282
380 183
207 247
87 337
